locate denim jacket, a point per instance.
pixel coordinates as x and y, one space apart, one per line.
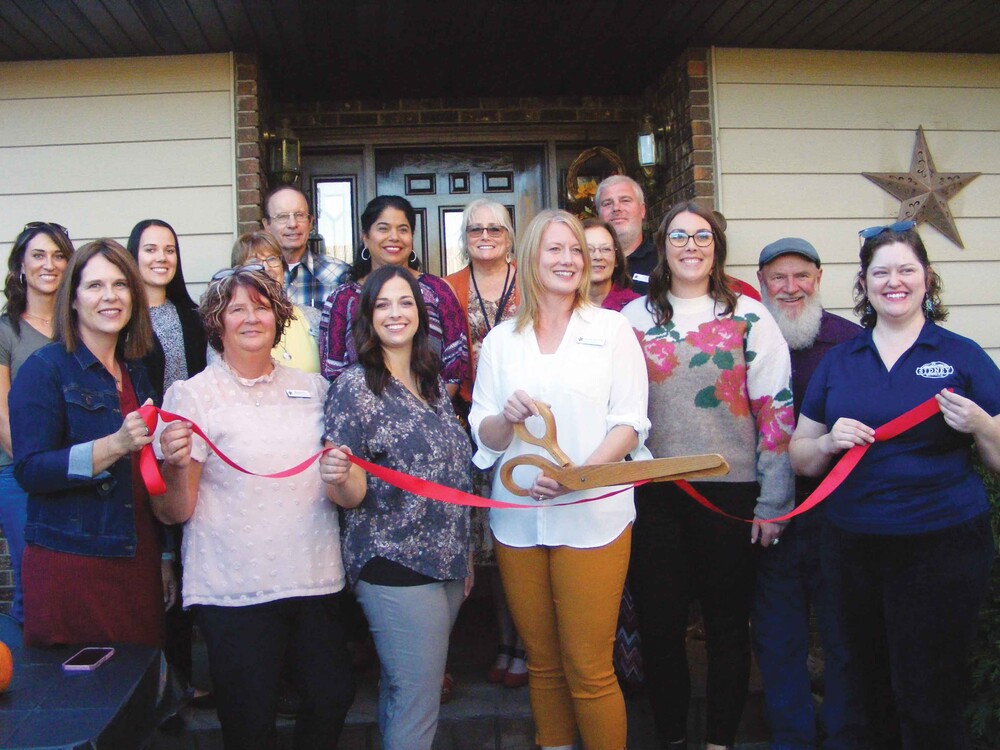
59 404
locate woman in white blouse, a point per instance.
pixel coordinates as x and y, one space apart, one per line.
563 568
262 566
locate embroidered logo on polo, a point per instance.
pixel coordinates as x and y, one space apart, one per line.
935 370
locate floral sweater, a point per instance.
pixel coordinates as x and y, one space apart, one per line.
721 385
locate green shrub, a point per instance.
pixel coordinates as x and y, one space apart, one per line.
984 710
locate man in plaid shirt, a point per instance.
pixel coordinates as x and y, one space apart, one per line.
310 277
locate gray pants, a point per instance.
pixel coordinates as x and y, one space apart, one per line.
411 626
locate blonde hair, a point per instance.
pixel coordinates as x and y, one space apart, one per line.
528 250
250 244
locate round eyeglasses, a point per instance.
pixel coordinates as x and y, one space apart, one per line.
679 238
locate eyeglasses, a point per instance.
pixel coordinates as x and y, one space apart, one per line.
46 225
679 238
493 231
602 249
286 218
271 260
225 273
899 226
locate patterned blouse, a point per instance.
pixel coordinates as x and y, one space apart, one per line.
167 327
400 432
447 328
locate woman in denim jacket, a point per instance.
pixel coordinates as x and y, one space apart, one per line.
92 565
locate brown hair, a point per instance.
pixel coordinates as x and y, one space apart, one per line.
15 289
424 364
220 293
659 280
135 340
528 248
620 277
911 239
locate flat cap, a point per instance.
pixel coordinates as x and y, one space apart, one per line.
787 245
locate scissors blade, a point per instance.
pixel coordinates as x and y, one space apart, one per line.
656 470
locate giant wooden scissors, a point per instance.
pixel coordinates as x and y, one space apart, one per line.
564 471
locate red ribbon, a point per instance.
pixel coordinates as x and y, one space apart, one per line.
150 470
841 469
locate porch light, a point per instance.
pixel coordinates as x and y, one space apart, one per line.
285 161
650 146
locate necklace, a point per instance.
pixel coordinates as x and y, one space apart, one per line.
37 317
508 289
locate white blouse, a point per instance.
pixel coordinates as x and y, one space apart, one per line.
253 540
594 381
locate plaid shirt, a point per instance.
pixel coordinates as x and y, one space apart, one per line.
310 282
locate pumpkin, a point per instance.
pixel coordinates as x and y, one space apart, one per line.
6 666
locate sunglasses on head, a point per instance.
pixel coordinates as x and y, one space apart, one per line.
225 273
899 226
46 225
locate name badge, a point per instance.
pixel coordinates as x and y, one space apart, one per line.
589 342
642 278
292 393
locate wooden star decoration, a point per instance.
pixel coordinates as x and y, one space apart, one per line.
924 192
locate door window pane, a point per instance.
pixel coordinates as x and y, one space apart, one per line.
335 216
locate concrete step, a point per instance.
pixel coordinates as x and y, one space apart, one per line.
481 716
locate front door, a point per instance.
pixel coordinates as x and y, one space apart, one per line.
441 182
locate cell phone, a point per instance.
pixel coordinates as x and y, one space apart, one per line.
88 659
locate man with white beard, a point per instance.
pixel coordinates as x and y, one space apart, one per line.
789 578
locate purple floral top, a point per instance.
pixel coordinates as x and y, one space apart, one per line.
448 335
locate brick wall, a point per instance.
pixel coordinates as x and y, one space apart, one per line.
680 98
251 110
348 113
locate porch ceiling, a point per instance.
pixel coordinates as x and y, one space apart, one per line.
374 49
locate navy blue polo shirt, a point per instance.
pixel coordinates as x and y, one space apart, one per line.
922 480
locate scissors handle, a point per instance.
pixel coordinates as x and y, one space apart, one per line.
507 471
547 441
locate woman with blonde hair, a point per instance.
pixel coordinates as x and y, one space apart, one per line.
563 568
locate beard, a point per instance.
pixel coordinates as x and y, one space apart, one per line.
800 332
627 236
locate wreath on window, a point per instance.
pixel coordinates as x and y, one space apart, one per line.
581 185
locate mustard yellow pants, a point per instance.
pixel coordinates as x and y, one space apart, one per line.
565 604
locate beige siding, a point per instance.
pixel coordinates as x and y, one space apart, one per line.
98 145
795 129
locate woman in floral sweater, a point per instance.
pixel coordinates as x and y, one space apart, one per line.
719 382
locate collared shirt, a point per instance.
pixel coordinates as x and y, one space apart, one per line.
922 480
311 281
594 381
251 539
641 263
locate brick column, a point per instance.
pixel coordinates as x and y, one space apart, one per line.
250 152
681 99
